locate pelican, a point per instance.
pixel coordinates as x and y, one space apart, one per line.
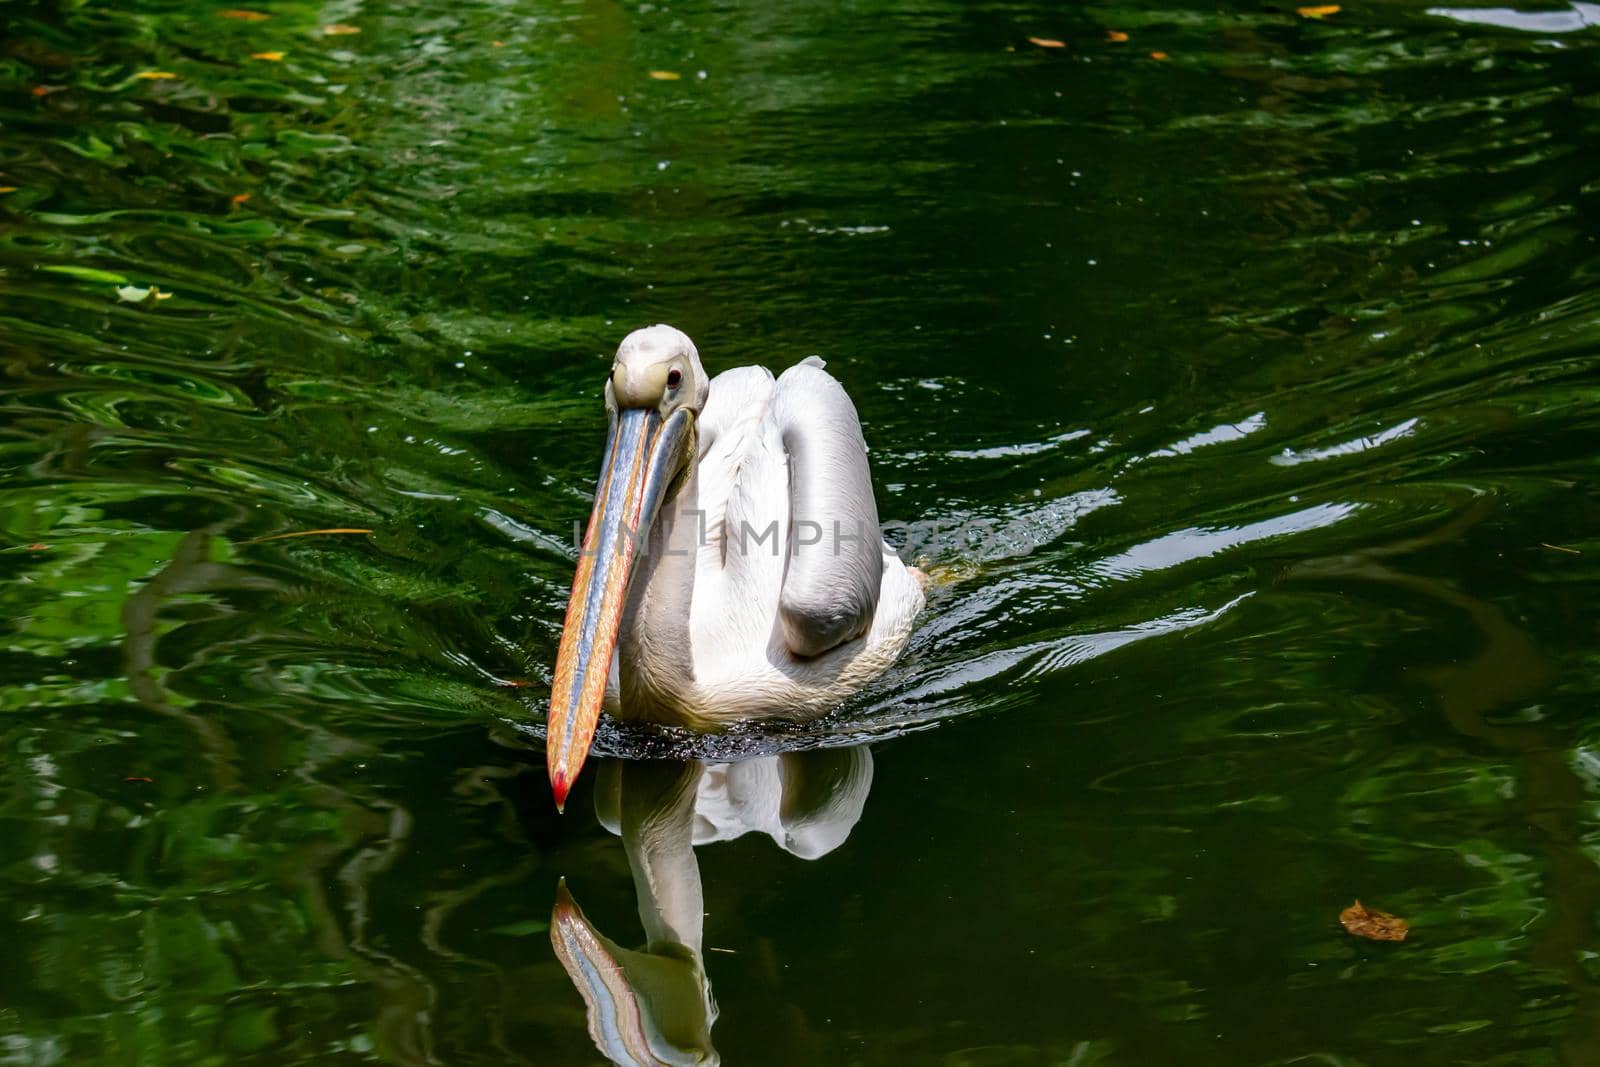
733 567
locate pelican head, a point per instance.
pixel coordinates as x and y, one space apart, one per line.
655 390
657 367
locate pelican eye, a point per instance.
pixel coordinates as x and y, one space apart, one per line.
674 376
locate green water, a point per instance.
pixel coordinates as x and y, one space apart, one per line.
1266 374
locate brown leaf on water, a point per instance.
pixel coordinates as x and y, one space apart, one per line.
270 57
8 188
139 778
38 546
1159 55
340 29
46 90
309 533
1372 924
238 198
1317 11
1116 36
1047 42
155 75
665 75
243 15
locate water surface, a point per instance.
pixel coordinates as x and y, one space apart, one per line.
1244 370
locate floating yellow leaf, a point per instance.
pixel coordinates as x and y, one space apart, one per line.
1372 924
155 75
308 533
1047 42
339 29
8 188
665 75
1318 11
1159 55
1116 36
270 57
243 16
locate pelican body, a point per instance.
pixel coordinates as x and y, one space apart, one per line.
733 567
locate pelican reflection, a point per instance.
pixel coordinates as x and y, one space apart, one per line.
653 1005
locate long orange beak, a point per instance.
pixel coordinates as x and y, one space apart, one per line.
643 457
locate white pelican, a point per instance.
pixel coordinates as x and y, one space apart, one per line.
733 566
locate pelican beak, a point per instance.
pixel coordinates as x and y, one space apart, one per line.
644 455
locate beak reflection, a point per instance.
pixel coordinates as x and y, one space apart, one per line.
653 1005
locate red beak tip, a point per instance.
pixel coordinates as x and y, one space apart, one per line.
559 786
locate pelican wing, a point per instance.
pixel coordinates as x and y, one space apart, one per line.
834 565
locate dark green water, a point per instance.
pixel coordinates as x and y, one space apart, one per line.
1267 374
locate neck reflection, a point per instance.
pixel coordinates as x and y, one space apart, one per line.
653 1005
